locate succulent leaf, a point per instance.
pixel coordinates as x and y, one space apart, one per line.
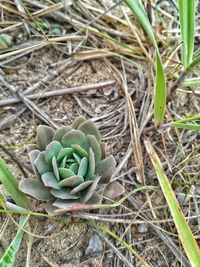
74 137
113 190
95 147
72 181
83 166
95 199
31 147
32 156
65 173
44 136
49 179
77 122
80 151
73 160
52 150
41 164
63 194
63 162
105 168
77 158
61 132
35 188
55 168
50 209
65 152
91 166
74 167
88 127
89 191
103 150
81 187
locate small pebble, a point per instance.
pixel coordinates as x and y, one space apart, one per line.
142 228
94 246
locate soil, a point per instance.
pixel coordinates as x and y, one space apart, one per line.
66 244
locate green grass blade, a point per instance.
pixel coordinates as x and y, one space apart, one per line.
10 183
9 256
187 23
192 82
185 234
186 126
191 29
189 119
183 123
194 63
160 93
183 24
160 86
138 10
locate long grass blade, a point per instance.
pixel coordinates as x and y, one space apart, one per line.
194 63
10 183
9 256
185 234
187 23
189 119
160 93
160 86
192 82
183 123
187 126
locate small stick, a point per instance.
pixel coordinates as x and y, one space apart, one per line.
52 73
28 103
76 89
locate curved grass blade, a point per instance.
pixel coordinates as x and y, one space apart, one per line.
192 82
185 234
160 86
184 123
9 256
187 23
10 183
192 127
189 119
193 64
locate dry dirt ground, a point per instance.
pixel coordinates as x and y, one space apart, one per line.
148 229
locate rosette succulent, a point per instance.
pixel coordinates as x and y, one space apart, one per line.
70 164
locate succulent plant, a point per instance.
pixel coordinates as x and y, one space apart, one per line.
70 164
